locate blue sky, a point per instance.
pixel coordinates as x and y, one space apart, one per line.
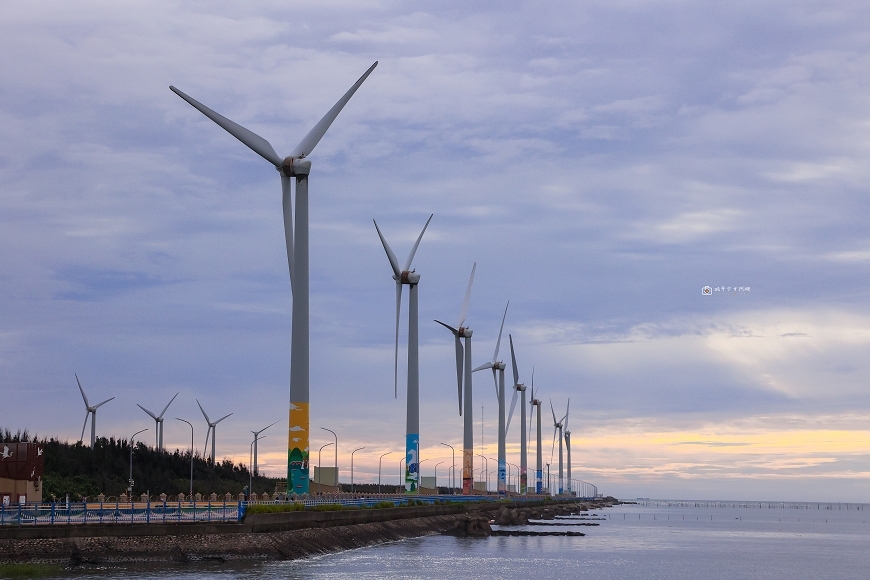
600 161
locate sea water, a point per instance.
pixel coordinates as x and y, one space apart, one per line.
654 540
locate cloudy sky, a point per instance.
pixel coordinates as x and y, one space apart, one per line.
600 161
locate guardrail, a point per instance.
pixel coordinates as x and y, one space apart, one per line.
197 511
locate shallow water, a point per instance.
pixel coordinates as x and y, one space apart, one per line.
634 542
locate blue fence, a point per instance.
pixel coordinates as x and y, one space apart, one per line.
202 511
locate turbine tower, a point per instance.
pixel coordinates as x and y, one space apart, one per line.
412 423
520 388
539 464
211 431
295 166
463 370
158 423
90 411
498 368
558 426
568 451
256 438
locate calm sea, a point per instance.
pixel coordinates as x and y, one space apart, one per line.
659 540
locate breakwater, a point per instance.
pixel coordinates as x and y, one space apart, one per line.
287 535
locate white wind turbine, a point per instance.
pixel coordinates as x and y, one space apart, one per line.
294 165
558 426
463 370
211 431
412 424
519 388
568 450
539 463
498 367
90 411
158 420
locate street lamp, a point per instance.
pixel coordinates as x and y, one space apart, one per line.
453 451
320 465
130 486
436 475
351 466
191 454
486 469
251 469
337 487
401 472
379 468
549 489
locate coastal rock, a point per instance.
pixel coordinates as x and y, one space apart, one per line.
470 526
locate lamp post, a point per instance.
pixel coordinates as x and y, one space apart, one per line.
401 472
191 454
486 469
320 465
436 475
549 489
381 458
453 482
517 484
130 486
351 466
251 469
336 456
494 472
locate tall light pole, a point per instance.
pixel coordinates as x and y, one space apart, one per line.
250 458
130 486
351 466
401 472
191 454
436 475
319 464
453 481
379 468
337 487
485 464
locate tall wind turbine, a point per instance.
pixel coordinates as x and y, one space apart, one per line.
498 369
158 423
256 438
463 370
90 411
520 388
568 449
558 426
539 464
211 431
412 423
294 165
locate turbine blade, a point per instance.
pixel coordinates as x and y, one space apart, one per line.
207 420
463 313
85 424
310 141
390 255
147 411
82 391
264 428
552 411
416 244
511 414
205 447
97 406
254 142
460 352
498 342
483 366
396 356
448 327
565 418
222 418
514 362
553 447
167 406
287 203
495 382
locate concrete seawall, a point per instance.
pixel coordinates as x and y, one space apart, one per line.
287 535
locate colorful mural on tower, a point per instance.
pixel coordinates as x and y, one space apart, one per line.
412 465
523 480
467 472
297 450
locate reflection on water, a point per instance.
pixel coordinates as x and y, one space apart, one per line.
635 542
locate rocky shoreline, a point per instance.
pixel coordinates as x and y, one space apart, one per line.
295 538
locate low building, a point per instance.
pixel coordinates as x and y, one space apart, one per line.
21 468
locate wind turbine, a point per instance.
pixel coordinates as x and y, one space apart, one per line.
520 388
158 420
412 423
568 449
256 438
498 368
539 464
459 333
558 425
211 431
294 165
90 411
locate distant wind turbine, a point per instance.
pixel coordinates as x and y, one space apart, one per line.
558 425
90 411
294 165
211 432
463 369
412 423
520 388
539 462
158 420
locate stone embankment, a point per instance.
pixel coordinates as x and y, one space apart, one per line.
278 536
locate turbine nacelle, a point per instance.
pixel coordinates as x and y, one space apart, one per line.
407 277
293 166
463 332
521 387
